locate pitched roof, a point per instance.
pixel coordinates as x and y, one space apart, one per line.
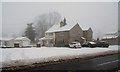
57 28
110 35
84 29
46 38
21 38
7 39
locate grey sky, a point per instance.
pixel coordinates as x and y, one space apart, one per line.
102 17
0 18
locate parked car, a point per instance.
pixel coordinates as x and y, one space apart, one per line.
75 45
89 44
102 44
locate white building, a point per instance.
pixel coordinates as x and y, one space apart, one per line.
21 42
6 42
112 38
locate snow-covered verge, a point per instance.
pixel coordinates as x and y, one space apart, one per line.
27 56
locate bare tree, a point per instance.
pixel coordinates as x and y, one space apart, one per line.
44 22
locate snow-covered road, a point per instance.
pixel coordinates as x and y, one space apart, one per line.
26 56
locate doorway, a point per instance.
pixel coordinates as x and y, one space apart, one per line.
16 45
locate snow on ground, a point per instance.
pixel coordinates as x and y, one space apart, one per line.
26 56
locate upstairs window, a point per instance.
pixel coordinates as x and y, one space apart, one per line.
61 34
49 34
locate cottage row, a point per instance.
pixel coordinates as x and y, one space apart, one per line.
58 35
61 34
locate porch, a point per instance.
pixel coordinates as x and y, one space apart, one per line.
46 41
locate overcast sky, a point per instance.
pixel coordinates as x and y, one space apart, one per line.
102 17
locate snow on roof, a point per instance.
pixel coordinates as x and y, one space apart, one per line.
46 38
85 28
2 38
110 35
21 38
92 42
57 28
82 37
27 56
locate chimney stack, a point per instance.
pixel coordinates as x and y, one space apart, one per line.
63 23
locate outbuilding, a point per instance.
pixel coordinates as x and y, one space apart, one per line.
112 38
22 42
6 42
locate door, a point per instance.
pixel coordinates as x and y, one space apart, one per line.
16 45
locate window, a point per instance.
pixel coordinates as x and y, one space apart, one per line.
49 34
62 34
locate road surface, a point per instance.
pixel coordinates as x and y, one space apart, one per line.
109 62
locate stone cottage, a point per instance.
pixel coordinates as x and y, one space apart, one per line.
62 34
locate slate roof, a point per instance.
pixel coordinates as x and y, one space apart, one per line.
57 28
22 38
6 39
110 35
